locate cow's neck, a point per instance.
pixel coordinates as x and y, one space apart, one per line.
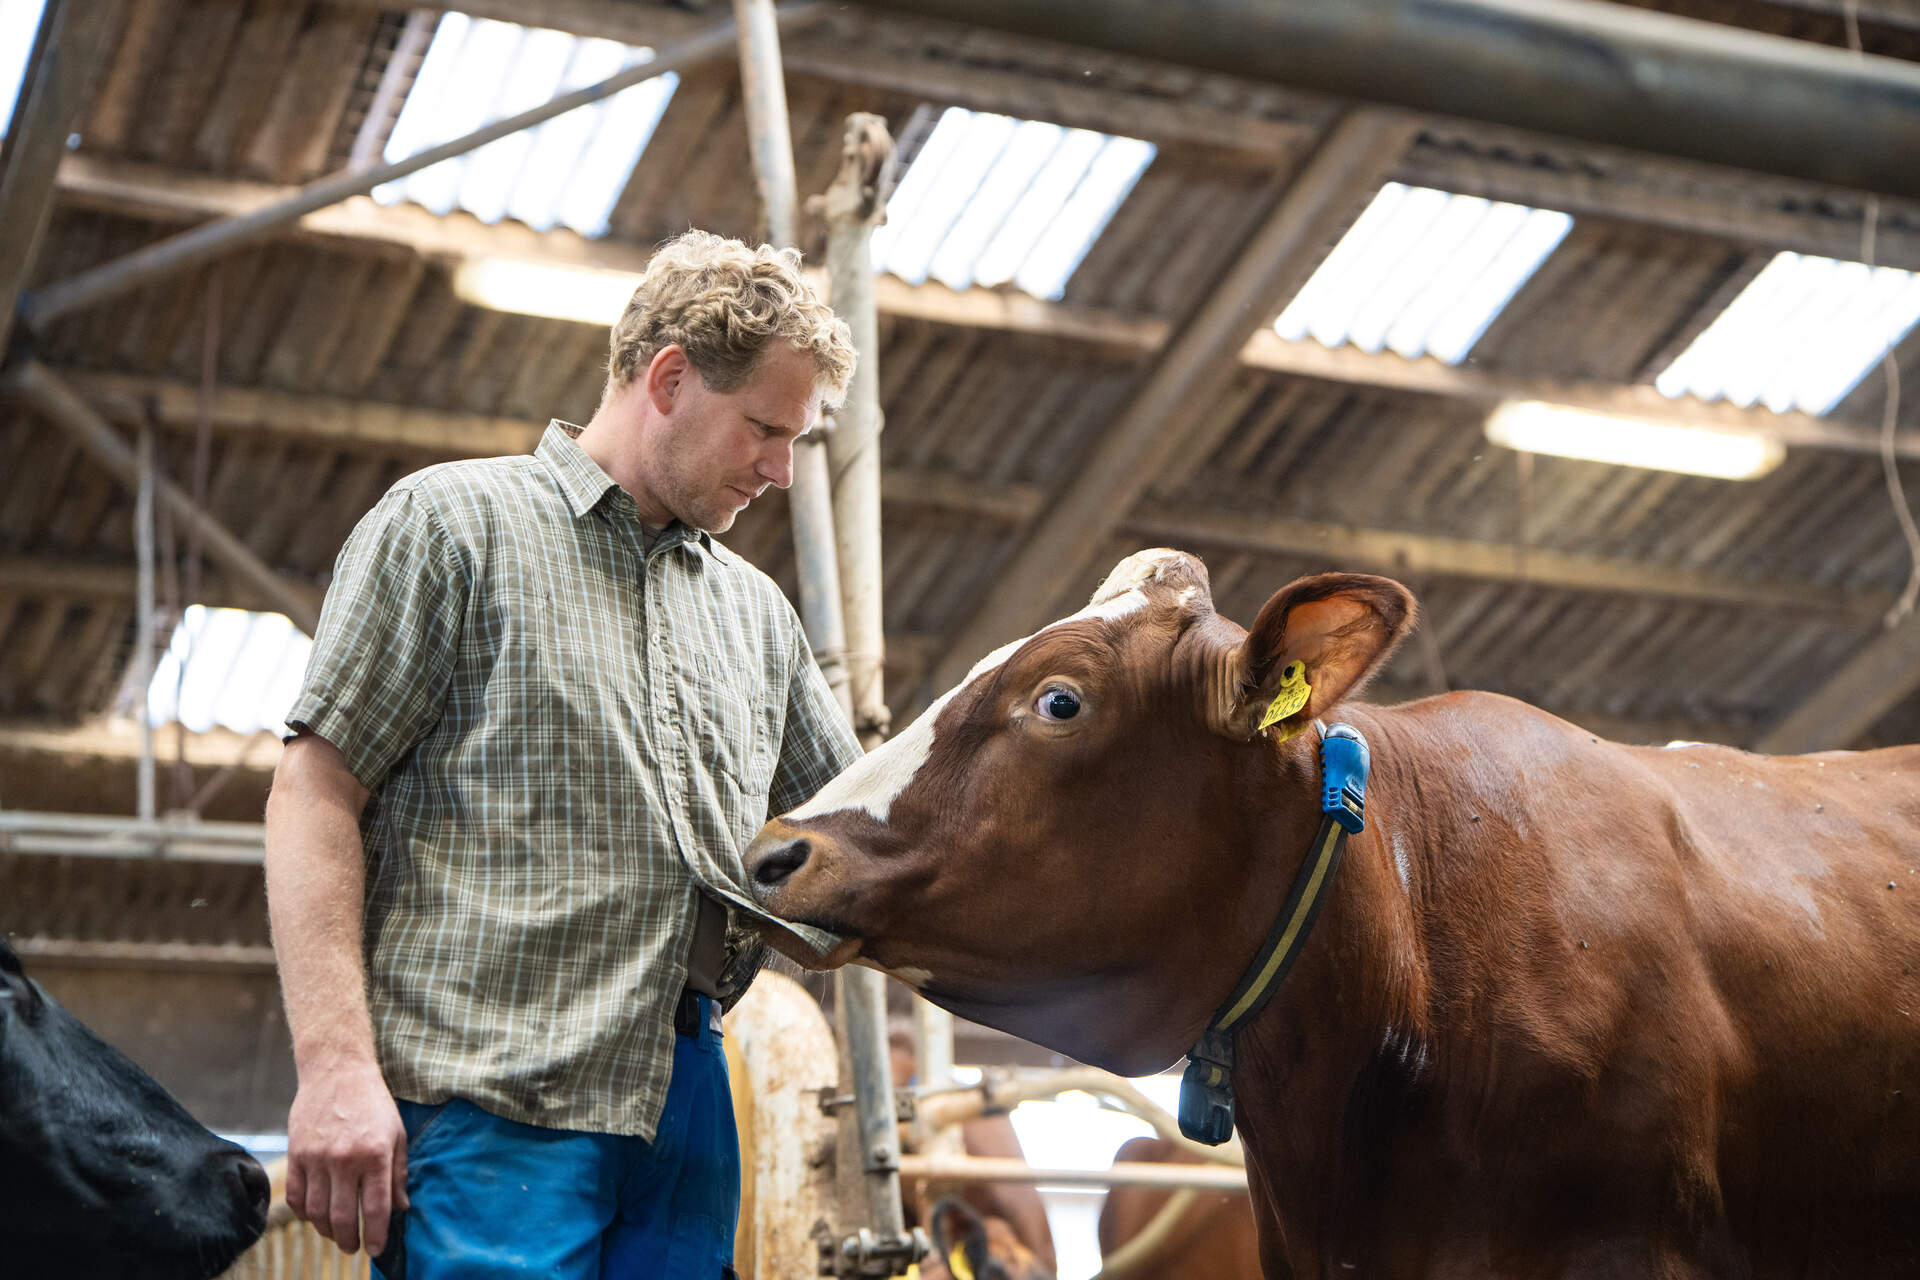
1331 1046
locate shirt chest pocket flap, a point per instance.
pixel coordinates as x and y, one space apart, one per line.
733 728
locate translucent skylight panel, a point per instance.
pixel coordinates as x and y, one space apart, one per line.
570 170
991 198
1422 272
241 671
1800 336
19 24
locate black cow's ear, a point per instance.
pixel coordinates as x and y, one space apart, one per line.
1316 642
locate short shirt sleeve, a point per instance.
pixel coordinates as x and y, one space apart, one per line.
817 743
388 636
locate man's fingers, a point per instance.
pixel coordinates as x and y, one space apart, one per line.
346 1211
318 1204
376 1203
297 1189
400 1171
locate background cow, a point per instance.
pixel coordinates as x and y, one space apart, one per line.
102 1174
1016 1207
1571 1008
1213 1238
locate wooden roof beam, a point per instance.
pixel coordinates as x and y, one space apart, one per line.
1419 554
1854 699
149 191
72 43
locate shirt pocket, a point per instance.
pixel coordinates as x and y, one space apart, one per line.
733 728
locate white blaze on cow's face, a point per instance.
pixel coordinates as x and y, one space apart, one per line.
873 783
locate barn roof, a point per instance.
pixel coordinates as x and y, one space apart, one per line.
1645 604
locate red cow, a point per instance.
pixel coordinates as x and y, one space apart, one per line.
1570 1008
1007 1220
1213 1238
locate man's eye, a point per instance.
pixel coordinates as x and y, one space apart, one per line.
1058 704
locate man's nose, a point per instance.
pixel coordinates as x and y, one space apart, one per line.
776 467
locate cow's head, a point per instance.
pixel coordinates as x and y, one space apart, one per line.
102 1173
1062 845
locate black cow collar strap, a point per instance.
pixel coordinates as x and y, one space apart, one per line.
1206 1090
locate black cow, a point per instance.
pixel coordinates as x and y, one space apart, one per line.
102 1173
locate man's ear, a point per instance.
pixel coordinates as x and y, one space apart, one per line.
665 374
1315 643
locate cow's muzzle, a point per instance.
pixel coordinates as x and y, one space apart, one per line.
778 860
776 854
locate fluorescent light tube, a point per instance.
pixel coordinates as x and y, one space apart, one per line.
589 295
1533 426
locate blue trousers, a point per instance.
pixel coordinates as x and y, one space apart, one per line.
492 1198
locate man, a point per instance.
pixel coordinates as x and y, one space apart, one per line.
544 713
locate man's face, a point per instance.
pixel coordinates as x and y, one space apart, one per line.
720 450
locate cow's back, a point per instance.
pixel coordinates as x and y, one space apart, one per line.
1802 874
1689 966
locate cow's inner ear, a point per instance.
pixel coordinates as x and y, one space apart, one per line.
1315 643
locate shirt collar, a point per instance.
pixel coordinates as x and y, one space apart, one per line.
587 487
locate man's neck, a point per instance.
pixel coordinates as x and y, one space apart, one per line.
612 439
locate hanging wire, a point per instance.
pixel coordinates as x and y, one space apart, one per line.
1890 368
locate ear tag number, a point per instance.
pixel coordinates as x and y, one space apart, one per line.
1293 695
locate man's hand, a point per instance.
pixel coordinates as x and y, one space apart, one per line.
346 1156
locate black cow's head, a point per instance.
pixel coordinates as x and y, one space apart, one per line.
102 1173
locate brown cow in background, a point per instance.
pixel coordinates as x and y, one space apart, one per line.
1214 1238
1008 1220
1571 1008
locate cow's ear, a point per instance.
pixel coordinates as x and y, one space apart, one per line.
1316 641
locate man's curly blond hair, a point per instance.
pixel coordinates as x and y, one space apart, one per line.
724 303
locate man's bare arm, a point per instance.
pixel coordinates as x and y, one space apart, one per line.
346 1148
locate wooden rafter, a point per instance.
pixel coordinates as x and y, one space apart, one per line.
149 191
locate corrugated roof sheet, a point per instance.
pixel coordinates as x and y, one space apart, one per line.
1422 272
1800 336
228 668
991 199
19 24
567 172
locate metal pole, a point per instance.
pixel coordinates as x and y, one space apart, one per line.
45 391
228 234
968 1169
763 87
143 626
885 1248
853 206
1585 69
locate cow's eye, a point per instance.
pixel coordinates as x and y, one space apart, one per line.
1058 704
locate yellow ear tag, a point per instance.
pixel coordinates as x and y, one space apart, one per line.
1293 695
957 1263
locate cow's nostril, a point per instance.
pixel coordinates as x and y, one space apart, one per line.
782 862
255 1189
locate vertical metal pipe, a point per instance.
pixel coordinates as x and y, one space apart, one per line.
862 997
764 88
810 502
853 205
143 615
862 1000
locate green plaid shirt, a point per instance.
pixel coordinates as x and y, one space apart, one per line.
567 734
